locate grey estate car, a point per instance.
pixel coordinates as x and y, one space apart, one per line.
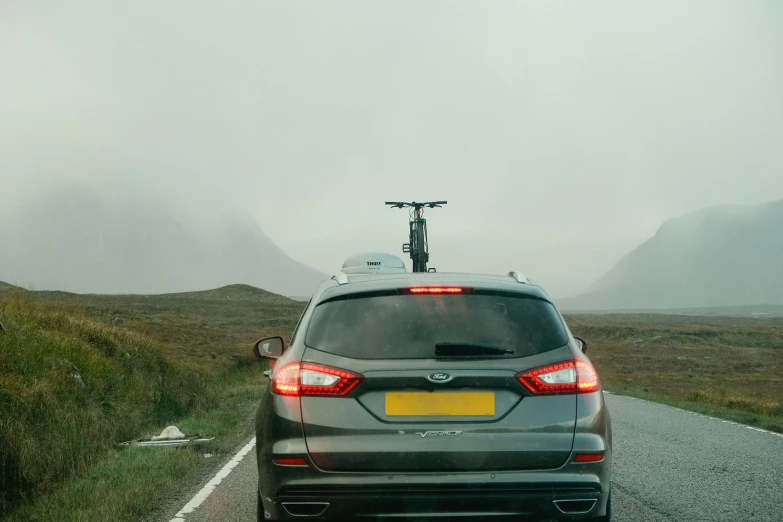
432 395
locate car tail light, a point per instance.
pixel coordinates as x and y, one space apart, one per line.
311 380
434 290
290 461
565 377
588 457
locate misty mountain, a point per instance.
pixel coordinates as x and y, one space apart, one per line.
129 240
719 256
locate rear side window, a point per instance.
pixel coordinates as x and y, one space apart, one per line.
409 326
299 322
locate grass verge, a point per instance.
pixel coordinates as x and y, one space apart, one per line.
726 367
72 387
130 484
767 422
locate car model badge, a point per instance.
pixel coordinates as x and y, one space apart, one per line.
423 434
439 377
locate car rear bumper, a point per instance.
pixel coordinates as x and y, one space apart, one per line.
397 498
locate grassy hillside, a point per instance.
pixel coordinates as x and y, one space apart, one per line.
728 366
71 387
80 373
205 328
6 286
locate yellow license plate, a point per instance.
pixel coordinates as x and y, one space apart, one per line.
435 404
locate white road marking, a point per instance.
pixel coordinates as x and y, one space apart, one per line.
699 414
202 495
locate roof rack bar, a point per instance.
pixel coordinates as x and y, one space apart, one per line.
520 277
341 278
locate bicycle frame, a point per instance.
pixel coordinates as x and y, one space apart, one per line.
417 245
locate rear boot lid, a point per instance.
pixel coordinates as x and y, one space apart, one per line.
438 382
397 420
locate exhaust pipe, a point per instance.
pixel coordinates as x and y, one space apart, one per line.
305 509
580 506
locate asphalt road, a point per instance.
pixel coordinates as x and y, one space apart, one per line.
669 465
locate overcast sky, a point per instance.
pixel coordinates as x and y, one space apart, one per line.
561 133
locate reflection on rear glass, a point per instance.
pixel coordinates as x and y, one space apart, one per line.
410 326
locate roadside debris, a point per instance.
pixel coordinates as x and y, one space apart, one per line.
171 437
194 440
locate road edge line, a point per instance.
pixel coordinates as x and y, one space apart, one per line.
210 486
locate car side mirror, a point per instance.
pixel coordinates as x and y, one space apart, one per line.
269 347
582 344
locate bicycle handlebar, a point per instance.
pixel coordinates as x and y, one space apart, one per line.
413 204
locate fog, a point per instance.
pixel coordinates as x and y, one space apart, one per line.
563 134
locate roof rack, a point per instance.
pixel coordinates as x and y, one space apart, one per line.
520 277
373 263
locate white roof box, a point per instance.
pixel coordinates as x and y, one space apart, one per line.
374 264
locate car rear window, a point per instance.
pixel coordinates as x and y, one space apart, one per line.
409 326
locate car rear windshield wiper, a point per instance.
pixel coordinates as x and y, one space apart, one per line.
455 349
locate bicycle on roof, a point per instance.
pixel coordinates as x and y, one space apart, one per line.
417 245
